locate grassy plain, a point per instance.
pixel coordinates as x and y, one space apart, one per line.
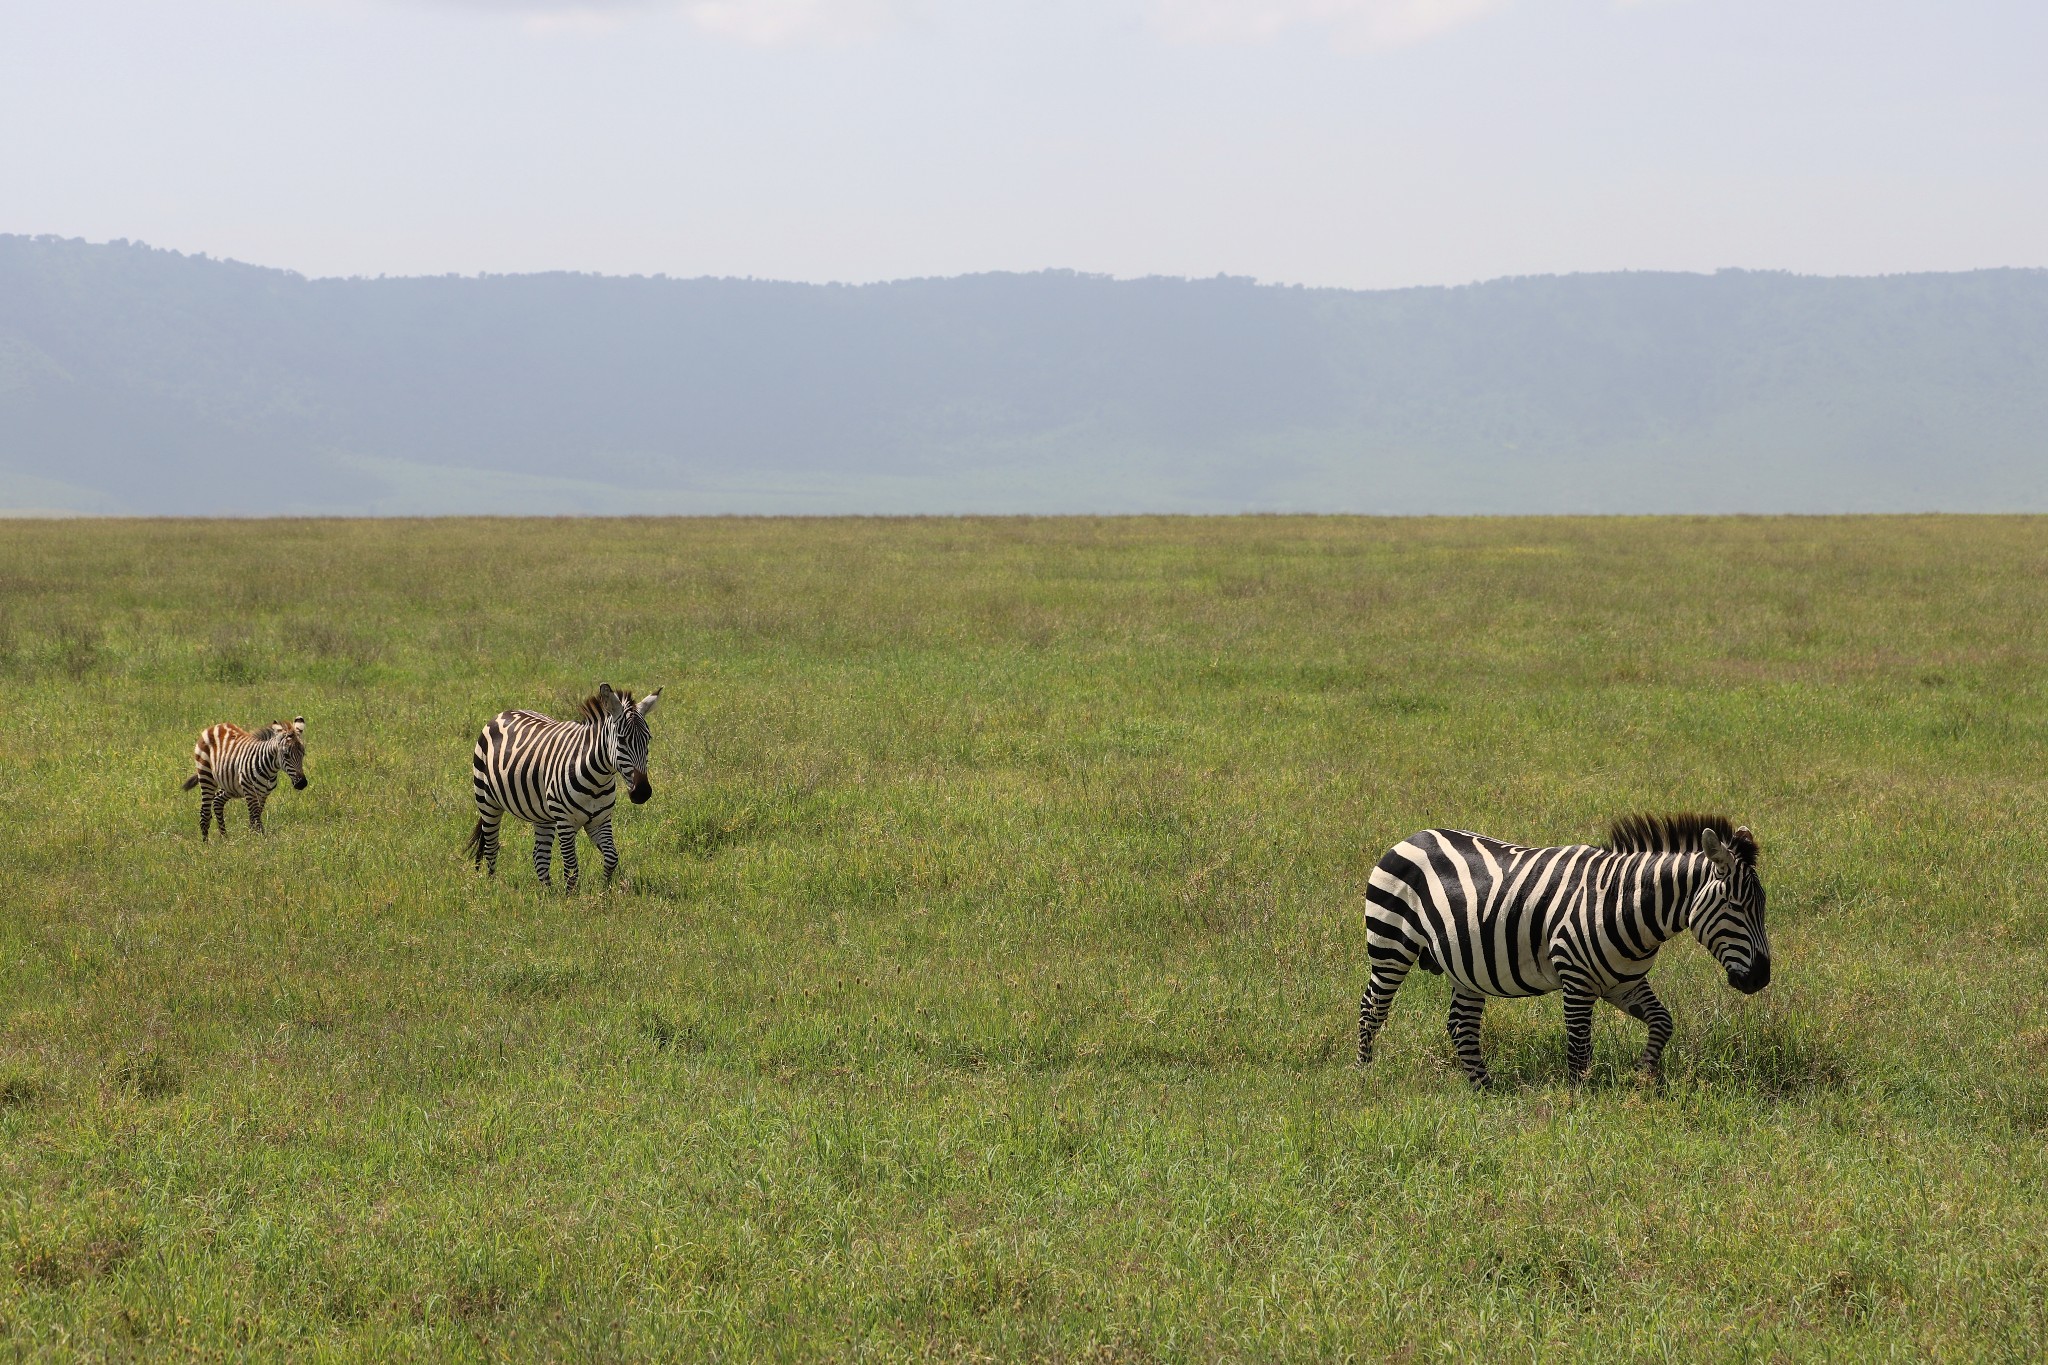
985 980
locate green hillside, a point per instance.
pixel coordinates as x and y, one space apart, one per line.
142 381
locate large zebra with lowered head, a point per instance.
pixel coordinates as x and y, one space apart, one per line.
231 764
1500 919
560 776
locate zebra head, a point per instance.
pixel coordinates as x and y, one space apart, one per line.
626 721
1728 913
291 750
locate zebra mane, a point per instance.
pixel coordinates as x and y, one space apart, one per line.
265 732
593 708
1677 833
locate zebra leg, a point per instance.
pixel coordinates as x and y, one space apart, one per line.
1578 1026
1466 1008
220 812
1387 976
256 814
206 812
543 852
487 819
1638 1001
601 835
568 857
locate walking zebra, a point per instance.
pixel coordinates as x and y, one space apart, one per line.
230 763
1504 920
560 776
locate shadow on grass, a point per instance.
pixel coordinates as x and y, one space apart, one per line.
823 1046
544 980
148 1074
1773 1052
710 823
707 833
669 1034
54 1264
1554 1261
1764 1050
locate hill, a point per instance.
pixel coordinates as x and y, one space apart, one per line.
139 380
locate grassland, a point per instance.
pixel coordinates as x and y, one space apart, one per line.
984 983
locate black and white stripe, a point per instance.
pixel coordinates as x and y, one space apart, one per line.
231 764
1503 920
560 776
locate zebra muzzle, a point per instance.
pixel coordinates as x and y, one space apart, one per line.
1754 979
641 790
298 784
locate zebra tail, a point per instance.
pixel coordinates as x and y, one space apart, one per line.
190 783
474 849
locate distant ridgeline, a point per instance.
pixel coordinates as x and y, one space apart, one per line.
142 381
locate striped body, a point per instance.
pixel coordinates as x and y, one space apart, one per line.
232 764
1501 919
560 776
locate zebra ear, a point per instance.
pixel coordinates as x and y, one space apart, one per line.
1743 843
299 724
609 700
1710 843
647 702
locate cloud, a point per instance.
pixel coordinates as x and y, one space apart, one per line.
1352 25
1356 25
764 22
796 21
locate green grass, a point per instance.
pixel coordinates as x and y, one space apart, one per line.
984 983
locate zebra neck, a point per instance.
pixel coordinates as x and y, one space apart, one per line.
600 741
1693 871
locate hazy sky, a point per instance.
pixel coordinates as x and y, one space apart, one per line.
1352 142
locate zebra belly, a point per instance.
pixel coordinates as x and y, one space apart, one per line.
239 781
1480 959
541 809
1469 910
553 806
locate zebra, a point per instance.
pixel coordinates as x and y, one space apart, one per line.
560 776
230 763
1503 920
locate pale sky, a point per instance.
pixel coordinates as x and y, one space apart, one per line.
1363 143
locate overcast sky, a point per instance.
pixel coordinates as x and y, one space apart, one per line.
1347 142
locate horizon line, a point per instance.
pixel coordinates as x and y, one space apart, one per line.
1223 277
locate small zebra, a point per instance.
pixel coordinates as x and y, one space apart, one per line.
560 776
231 764
1504 920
